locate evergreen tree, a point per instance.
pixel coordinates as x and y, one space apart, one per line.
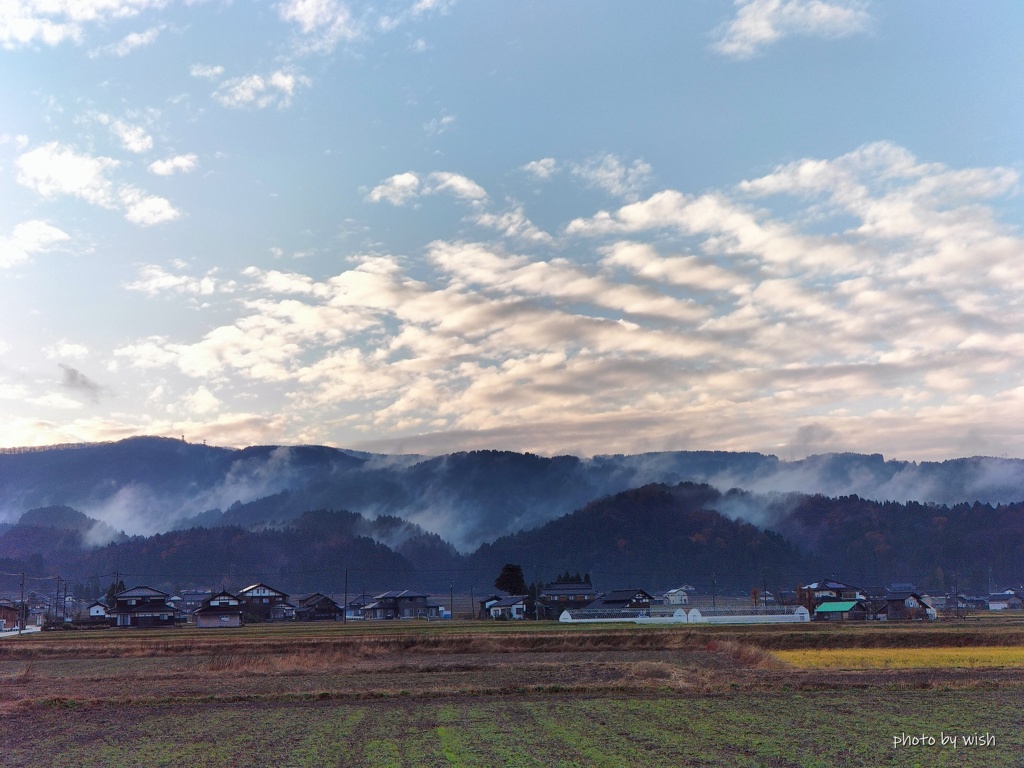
511 579
112 590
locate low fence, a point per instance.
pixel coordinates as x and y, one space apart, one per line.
777 615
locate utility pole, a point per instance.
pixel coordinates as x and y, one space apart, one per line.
956 596
714 590
536 600
344 613
451 597
21 612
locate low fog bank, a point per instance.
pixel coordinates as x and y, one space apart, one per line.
145 486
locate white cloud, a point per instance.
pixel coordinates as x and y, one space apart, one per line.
55 400
54 169
866 289
543 169
257 91
387 23
201 401
759 23
609 173
24 22
323 23
397 190
154 280
206 72
513 223
66 350
403 187
13 391
28 238
146 210
458 185
176 164
424 6
129 43
644 261
437 126
132 137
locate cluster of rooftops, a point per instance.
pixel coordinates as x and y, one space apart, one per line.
144 606
825 599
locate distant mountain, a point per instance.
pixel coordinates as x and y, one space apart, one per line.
655 536
58 517
152 485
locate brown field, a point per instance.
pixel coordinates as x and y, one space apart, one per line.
477 693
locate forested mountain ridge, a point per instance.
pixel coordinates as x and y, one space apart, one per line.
656 536
152 485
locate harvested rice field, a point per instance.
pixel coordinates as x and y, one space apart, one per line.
539 695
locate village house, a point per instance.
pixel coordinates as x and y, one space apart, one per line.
258 600
97 612
561 596
841 610
485 606
354 608
220 610
8 614
317 607
282 612
402 604
511 607
830 589
191 599
679 595
141 607
1006 600
629 600
901 606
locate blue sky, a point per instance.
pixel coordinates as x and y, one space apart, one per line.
791 226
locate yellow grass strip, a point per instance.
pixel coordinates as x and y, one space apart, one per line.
905 658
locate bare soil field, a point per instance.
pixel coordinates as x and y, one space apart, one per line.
440 694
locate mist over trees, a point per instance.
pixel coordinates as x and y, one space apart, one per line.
146 485
404 522
655 537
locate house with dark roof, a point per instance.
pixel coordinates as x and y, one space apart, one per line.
141 607
97 613
628 599
1006 600
191 599
354 608
402 604
258 600
317 607
560 596
901 606
220 610
825 589
511 607
283 611
8 614
485 606
623 600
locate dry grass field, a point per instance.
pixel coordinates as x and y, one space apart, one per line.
985 657
487 694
